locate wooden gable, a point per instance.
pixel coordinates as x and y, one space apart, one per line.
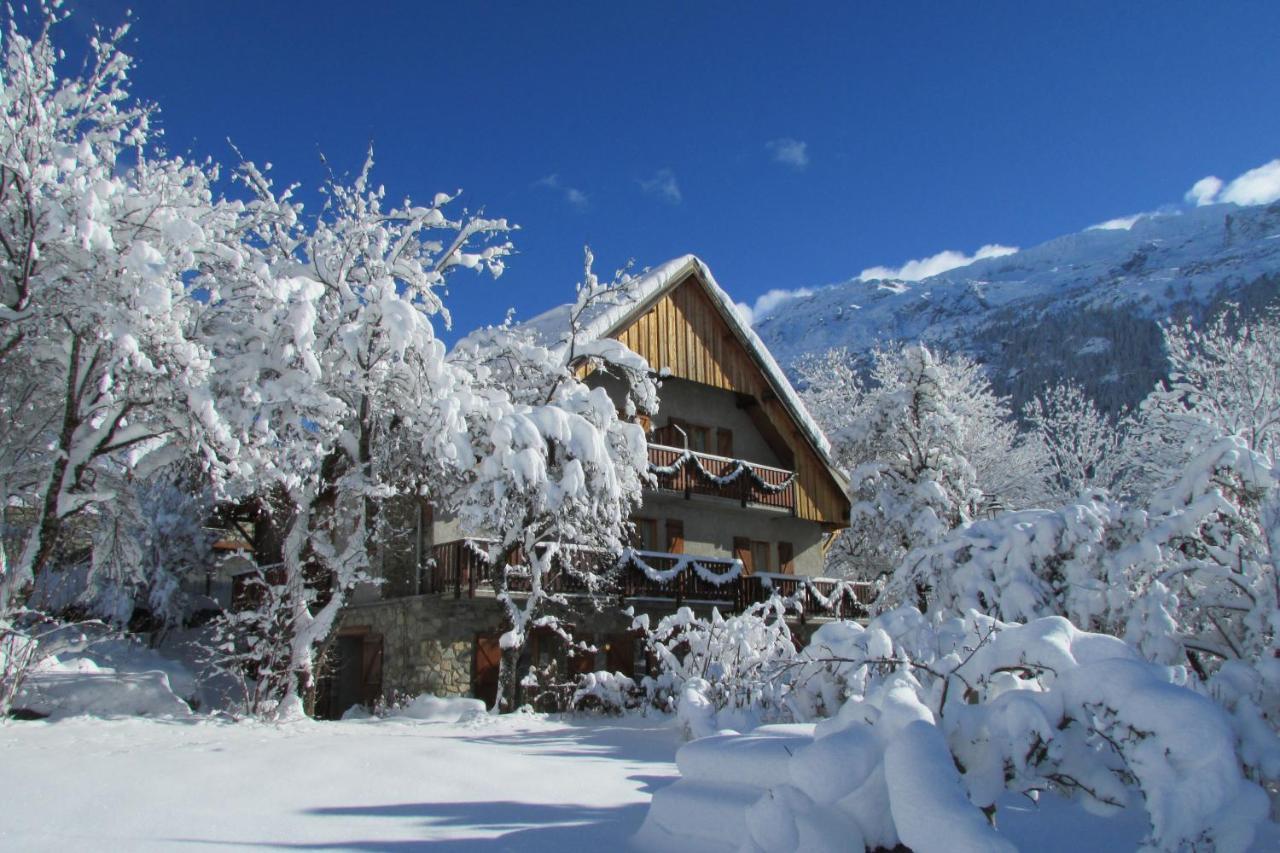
684 330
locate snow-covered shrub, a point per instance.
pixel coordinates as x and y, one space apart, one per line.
18 653
144 544
717 671
437 709
252 648
944 715
1188 578
606 692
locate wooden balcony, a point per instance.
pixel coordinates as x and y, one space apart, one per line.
461 568
691 473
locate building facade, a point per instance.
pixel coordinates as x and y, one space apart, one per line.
744 500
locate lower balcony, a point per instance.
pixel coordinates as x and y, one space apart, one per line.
462 568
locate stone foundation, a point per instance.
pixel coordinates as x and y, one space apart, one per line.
428 641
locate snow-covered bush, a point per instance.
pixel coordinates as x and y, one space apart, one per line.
719 671
1189 580
1022 565
144 545
606 692
939 717
252 647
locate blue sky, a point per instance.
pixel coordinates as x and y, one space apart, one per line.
789 145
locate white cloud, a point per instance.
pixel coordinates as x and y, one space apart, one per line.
934 264
769 301
1204 191
576 197
663 185
1256 186
789 152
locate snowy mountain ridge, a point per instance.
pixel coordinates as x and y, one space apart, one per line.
1086 305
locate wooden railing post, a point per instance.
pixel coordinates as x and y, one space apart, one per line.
457 552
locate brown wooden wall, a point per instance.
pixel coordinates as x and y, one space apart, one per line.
684 331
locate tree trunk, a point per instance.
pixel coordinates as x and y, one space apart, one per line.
509 663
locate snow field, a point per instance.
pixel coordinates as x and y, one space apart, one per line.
519 782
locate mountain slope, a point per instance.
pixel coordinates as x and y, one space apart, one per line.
1086 305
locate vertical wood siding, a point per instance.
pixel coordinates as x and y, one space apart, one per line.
685 332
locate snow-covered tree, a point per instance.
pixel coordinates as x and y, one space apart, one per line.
559 463
1082 446
337 391
103 242
1224 379
927 446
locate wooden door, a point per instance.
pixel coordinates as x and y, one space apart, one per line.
371 670
486 658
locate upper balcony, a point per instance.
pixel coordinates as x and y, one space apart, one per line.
688 472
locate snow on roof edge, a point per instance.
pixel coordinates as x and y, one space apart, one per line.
771 367
650 285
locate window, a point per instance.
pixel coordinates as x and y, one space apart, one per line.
724 443
699 438
646 534
755 555
760 554
697 435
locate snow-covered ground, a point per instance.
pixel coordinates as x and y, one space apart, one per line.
520 782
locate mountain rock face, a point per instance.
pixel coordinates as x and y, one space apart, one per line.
1086 306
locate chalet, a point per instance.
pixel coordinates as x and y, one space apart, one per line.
745 501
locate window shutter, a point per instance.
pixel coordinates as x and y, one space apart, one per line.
786 558
724 443
675 536
742 551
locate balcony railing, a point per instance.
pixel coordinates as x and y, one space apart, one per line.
461 567
691 473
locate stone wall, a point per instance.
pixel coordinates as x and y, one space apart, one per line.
428 641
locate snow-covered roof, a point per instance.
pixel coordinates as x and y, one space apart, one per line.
646 289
